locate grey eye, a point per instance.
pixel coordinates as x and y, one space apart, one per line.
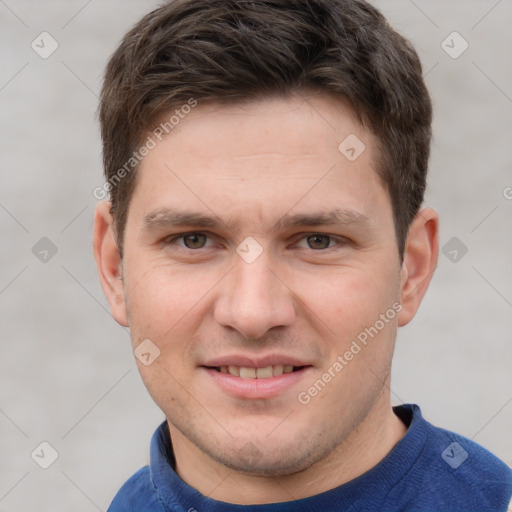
194 241
318 241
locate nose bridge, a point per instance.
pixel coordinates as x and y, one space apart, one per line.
255 282
254 300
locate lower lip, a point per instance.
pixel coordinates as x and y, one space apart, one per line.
256 388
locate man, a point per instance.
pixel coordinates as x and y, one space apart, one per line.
264 240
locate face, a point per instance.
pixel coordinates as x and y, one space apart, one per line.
256 247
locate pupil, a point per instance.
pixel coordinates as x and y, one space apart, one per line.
317 239
195 241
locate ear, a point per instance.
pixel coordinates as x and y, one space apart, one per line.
108 261
420 261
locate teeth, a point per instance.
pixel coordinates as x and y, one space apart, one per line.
257 373
264 373
277 370
247 373
234 370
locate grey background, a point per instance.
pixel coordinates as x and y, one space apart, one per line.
67 371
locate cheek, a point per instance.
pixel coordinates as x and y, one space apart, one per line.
348 300
348 317
167 306
162 297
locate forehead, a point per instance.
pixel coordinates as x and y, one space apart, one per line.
316 123
279 155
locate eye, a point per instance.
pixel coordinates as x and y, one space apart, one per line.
197 240
319 241
190 240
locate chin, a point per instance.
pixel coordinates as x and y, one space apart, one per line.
266 465
266 457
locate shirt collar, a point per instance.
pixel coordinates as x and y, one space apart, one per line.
178 496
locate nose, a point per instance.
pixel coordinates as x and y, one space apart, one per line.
254 298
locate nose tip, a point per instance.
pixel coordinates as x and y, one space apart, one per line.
254 300
254 323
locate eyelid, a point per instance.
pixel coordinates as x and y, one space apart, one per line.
340 240
172 238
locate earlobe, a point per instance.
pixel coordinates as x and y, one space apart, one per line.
420 261
108 262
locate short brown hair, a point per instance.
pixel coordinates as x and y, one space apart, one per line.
243 50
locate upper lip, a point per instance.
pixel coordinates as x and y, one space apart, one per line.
248 361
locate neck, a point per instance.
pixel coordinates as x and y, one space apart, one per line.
366 446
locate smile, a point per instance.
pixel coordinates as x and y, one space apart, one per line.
258 373
255 383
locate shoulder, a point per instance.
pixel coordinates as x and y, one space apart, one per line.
137 494
467 460
457 473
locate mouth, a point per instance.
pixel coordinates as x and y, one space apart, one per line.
266 372
252 381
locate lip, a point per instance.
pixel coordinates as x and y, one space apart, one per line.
255 388
255 362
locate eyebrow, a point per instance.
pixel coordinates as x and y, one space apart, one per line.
165 218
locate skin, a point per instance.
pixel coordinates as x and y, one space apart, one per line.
309 297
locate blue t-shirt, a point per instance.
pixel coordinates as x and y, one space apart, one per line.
429 470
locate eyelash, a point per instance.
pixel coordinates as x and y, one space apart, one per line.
171 240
